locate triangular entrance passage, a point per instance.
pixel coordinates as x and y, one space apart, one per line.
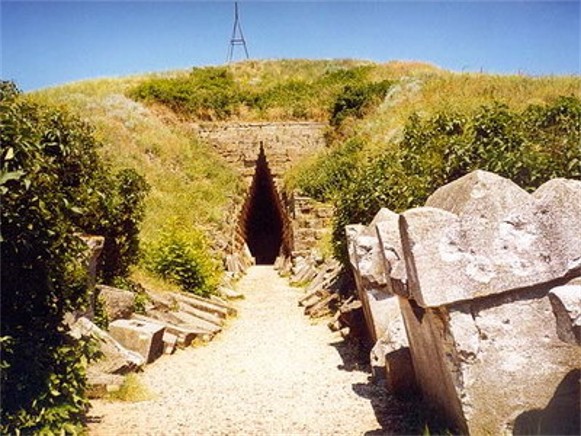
263 219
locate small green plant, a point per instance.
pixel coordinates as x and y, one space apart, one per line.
182 256
100 317
140 302
132 390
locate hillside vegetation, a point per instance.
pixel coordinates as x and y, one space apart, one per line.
397 130
54 188
191 189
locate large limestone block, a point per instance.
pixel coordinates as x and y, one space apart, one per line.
479 192
142 337
487 366
566 303
368 255
506 361
351 232
369 271
392 254
494 238
390 357
558 208
434 363
452 258
119 303
116 359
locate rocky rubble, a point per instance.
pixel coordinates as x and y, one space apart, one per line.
481 280
170 320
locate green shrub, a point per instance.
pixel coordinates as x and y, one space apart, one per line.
213 94
206 93
101 317
181 256
357 100
528 147
119 222
48 161
296 98
54 187
331 172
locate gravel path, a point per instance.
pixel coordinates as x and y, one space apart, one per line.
272 371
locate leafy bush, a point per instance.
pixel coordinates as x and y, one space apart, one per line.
357 100
331 172
42 273
53 187
296 97
528 147
206 93
119 221
182 257
212 93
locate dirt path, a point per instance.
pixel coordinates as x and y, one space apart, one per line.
270 372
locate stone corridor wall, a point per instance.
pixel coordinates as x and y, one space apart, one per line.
284 143
486 280
311 222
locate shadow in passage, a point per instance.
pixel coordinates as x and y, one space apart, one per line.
354 355
93 419
396 416
561 416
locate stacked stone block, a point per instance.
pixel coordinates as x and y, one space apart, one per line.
481 275
285 143
311 222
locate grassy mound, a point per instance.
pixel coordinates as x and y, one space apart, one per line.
191 187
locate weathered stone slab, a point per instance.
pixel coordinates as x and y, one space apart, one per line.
100 384
558 209
140 336
370 264
392 254
119 303
479 192
506 360
194 321
116 358
185 334
170 342
495 238
390 357
431 348
450 258
201 314
229 293
566 303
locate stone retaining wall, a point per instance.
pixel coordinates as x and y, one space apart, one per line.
311 222
284 143
484 278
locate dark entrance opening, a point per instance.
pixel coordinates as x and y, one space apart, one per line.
263 222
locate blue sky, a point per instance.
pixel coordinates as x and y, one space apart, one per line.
45 43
